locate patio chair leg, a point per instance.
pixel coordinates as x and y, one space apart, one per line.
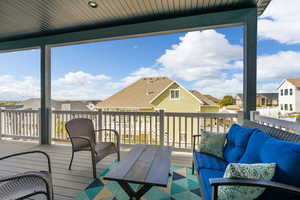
71 160
119 156
193 168
94 165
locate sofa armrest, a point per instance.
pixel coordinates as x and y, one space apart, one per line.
216 182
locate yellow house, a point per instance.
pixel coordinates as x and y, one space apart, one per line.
155 93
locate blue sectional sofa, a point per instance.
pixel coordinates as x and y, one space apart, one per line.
253 143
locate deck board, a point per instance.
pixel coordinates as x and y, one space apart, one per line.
67 184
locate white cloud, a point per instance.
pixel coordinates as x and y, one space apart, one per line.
220 87
284 64
280 22
81 85
200 55
12 88
73 85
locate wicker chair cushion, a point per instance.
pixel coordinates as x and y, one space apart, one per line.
24 186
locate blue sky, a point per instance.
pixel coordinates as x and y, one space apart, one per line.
209 61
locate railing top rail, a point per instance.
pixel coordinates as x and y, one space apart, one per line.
278 122
20 111
130 113
73 112
206 115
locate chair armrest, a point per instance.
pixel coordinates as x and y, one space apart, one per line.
114 131
37 174
194 140
216 182
30 152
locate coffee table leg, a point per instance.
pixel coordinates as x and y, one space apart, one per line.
135 194
141 191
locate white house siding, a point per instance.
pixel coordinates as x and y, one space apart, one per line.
288 99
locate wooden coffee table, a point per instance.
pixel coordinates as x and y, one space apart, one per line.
145 165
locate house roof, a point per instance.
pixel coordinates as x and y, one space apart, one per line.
214 99
203 98
35 103
294 81
273 96
269 95
137 95
21 19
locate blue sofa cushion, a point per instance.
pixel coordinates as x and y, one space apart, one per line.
204 176
207 161
287 157
254 147
263 148
237 140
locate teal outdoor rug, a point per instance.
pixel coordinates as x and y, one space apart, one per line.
182 185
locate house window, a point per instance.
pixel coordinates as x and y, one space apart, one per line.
291 107
291 91
281 92
174 94
281 106
286 107
286 92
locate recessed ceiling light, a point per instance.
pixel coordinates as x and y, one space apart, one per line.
92 4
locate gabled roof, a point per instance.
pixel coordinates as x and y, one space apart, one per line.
137 95
214 99
294 81
203 98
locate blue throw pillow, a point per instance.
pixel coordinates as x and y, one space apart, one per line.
255 144
237 140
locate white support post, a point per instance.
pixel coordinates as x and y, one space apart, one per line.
100 112
253 114
1 124
161 127
240 117
250 70
45 112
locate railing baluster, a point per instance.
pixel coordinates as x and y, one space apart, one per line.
179 123
134 128
185 137
168 130
129 127
174 138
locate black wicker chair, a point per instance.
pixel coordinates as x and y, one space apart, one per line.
83 138
28 184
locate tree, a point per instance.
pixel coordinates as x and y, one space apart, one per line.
227 100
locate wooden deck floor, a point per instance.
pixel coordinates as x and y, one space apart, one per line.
67 184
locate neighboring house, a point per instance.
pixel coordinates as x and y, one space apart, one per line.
9 105
155 93
289 96
68 105
262 99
